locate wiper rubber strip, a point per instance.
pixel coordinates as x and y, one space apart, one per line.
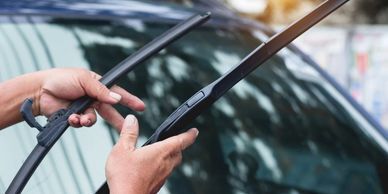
57 124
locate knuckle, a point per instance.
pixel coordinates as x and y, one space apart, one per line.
179 143
94 75
132 135
100 90
129 135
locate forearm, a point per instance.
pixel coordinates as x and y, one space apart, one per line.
12 94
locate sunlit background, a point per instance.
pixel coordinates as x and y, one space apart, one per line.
351 44
286 11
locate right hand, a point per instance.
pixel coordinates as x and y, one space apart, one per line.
143 170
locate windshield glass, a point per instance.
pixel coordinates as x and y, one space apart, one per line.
283 129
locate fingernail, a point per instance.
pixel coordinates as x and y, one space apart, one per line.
196 132
88 122
74 118
129 121
115 96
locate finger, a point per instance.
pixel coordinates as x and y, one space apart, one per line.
74 120
97 90
129 133
111 115
129 99
180 142
88 118
50 104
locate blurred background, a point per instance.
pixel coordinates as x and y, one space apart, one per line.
351 44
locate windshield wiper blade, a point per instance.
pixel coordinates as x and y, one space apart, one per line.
189 110
57 124
204 98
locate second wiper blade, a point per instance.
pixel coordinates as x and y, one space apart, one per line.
189 110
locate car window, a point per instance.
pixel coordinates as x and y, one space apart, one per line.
283 129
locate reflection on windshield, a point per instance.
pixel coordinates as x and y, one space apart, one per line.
73 165
283 129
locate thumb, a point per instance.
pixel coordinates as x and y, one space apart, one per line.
99 91
129 133
180 142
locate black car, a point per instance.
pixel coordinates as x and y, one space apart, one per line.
287 128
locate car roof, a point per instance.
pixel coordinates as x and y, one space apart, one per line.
114 8
162 11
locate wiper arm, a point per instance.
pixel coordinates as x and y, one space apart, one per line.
57 124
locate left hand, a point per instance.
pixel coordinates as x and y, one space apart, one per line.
62 85
143 170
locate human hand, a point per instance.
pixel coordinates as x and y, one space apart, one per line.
143 170
62 85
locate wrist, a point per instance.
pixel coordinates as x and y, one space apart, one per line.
34 90
37 91
126 186
14 92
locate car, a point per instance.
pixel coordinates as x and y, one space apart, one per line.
286 128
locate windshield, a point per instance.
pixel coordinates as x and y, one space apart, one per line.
283 129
